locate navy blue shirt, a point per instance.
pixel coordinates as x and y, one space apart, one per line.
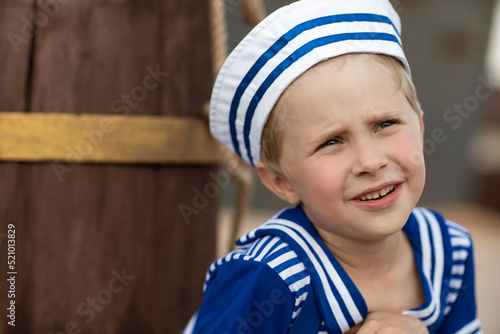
262 286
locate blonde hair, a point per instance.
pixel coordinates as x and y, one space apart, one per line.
272 134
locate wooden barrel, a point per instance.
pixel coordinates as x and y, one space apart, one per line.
104 247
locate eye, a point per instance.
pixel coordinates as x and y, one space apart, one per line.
386 124
329 142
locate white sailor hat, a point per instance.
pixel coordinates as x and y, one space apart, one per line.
282 47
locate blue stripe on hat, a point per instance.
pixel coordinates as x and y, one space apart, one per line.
302 51
274 50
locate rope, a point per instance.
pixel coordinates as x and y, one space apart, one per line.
253 11
241 173
218 35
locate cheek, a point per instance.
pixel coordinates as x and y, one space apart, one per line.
324 179
408 151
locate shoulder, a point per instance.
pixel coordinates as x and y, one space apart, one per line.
265 254
441 241
446 252
432 227
246 290
267 259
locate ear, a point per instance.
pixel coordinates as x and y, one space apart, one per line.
278 184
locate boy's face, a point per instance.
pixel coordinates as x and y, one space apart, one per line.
351 135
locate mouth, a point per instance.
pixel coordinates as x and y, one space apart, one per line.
378 194
379 198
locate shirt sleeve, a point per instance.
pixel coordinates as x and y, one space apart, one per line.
245 297
462 317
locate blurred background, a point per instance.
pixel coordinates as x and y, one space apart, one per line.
453 47
114 187
454 57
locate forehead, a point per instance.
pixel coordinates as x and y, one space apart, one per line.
378 67
349 78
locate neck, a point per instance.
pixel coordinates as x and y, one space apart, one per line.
367 257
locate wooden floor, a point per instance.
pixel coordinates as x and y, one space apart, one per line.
484 226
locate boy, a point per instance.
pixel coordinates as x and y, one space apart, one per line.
318 97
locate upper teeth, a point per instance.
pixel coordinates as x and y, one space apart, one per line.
376 194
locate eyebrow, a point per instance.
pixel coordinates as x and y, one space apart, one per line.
384 115
333 131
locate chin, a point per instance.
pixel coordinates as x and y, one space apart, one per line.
383 225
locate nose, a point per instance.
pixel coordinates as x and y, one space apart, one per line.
369 159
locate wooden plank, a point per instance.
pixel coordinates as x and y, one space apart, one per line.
14 66
15 52
70 138
74 231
